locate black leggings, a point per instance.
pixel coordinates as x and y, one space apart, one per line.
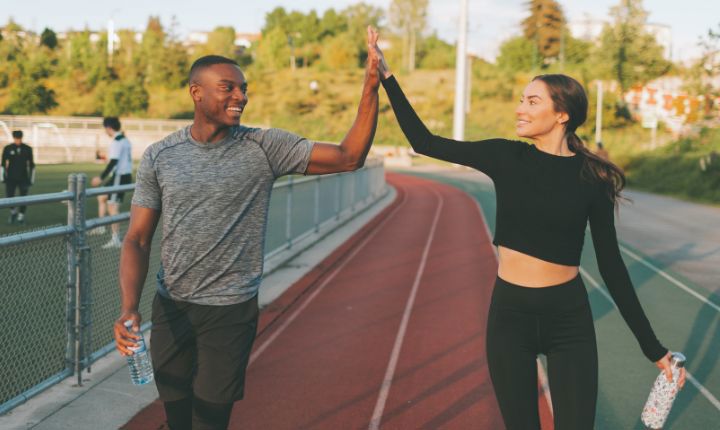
555 321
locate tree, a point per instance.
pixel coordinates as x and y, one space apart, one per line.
517 55
339 52
627 52
410 18
273 52
122 98
28 96
435 53
48 38
699 76
332 24
544 27
221 41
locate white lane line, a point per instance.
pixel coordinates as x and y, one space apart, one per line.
670 278
542 375
705 392
395 355
327 280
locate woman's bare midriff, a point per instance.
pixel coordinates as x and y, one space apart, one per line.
528 271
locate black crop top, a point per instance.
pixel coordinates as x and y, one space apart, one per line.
543 206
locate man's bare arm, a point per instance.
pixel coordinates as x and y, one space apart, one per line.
352 151
134 262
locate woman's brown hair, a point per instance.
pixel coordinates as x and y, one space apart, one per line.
569 96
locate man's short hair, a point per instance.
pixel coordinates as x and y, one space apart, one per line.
207 61
17 134
111 122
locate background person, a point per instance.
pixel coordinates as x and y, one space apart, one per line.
17 170
119 171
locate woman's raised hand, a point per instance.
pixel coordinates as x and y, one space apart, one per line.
374 49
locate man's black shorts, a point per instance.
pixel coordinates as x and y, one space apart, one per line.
114 180
201 350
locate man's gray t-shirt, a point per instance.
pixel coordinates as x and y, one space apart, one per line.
214 200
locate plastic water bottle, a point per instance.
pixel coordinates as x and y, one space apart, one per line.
139 363
662 395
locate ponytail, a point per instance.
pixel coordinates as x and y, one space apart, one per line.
596 168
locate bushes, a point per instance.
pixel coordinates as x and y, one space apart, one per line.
688 168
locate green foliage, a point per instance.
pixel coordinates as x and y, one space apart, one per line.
688 168
273 52
85 63
221 41
517 55
123 98
48 38
29 96
340 52
435 53
699 75
409 18
10 56
627 53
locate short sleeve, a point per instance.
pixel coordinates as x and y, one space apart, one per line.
115 148
286 152
147 189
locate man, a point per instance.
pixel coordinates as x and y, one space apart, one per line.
120 166
212 182
18 172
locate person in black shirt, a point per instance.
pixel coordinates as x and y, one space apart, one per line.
546 194
18 172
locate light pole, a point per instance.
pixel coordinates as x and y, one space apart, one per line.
461 75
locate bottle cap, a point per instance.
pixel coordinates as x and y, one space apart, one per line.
677 359
128 323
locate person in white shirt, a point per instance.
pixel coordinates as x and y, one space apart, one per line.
119 172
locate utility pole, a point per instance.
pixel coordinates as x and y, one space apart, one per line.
461 75
598 113
111 41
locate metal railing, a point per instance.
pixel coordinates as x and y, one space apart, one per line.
60 296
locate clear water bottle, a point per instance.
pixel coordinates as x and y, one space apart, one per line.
662 396
139 363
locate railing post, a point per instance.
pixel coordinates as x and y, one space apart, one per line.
72 277
338 184
288 212
353 184
81 271
317 203
82 314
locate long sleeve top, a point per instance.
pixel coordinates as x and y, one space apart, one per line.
543 206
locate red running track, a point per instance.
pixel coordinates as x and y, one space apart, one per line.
387 332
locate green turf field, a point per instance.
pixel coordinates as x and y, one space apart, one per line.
52 178
682 321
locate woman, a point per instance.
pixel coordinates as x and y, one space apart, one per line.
546 193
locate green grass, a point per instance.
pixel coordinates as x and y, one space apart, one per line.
53 178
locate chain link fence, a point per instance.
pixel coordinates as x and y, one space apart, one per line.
60 293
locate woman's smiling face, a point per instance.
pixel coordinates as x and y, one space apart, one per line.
536 115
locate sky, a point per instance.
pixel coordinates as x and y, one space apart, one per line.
490 21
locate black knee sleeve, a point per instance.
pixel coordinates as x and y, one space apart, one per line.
210 416
179 414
